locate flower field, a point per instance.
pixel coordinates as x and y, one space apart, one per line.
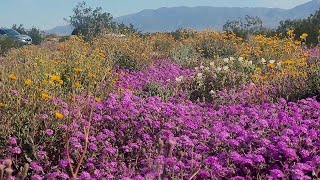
203 105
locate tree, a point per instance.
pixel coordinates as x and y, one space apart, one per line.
245 26
34 33
20 29
90 22
310 25
124 29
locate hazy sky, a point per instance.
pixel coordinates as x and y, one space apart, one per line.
46 14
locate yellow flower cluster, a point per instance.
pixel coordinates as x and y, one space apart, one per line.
59 115
304 36
56 79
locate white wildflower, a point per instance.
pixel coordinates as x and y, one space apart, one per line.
199 75
240 59
206 68
218 69
263 61
232 58
211 92
226 60
272 61
201 67
212 64
196 68
179 79
225 68
278 64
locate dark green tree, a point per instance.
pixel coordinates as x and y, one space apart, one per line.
310 25
90 22
242 27
124 29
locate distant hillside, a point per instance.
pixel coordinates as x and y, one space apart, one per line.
170 19
60 30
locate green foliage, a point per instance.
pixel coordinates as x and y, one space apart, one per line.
155 89
184 54
88 21
34 33
7 43
91 22
245 26
124 29
220 74
182 33
310 25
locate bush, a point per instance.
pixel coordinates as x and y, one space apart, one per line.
213 44
7 43
219 74
162 44
290 79
270 48
184 54
152 89
130 52
35 80
34 33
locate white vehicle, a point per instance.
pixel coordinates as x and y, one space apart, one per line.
15 35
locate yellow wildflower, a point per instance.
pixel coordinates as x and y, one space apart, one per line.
258 69
45 96
297 42
2 105
27 82
77 84
289 62
91 75
271 66
60 82
12 77
97 99
77 70
59 115
303 36
55 78
290 32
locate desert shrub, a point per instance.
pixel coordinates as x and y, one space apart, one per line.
181 34
130 52
309 25
156 89
184 54
41 87
290 79
89 22
162 44
226 73
270 48
7 43
213 44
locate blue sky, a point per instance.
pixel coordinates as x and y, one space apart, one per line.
46 14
